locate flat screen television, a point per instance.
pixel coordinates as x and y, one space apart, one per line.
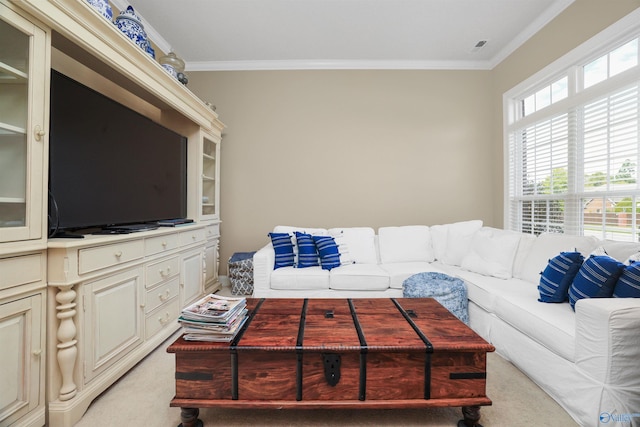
109 165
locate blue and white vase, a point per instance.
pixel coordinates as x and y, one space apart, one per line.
129 23
150 51
103 7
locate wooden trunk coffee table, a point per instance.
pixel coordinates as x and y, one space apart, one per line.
337 353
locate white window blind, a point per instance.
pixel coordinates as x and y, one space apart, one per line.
572 158
610 165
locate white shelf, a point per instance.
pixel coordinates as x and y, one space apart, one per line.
16 200
8 74
7 129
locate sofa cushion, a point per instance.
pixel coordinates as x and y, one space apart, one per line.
492 252
439 240
620 251
484 291
283 248
459 236
451 241
359 277
595 279
307 251
548 245
343 249
515 302
361 243
290 278
400 271
405 244
524 248
558 276
327 251
551 325
628 285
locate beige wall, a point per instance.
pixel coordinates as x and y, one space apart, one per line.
373 148
349 148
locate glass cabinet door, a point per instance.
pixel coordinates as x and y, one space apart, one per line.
22 71
210 175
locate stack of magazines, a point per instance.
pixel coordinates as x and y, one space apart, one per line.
213 318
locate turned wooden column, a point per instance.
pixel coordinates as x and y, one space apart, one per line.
67 349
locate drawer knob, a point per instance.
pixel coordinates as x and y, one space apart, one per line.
164 244
164 319
166 271
165 296
37 352
118 254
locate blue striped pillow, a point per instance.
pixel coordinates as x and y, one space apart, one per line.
307 252
595 279
558 276
283 248
628 285
328 251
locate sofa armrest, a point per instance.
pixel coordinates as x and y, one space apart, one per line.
263 262
607 335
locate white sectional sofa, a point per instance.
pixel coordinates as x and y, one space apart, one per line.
588 360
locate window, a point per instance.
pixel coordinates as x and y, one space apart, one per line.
572 145
546 96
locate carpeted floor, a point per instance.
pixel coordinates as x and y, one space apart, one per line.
142 397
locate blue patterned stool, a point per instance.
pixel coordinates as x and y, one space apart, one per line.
449 291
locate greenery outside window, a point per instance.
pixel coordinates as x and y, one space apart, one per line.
572 145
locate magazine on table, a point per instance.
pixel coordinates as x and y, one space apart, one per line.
199 334
190 325
214 308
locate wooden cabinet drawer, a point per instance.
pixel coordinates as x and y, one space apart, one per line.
21 270
160 294
162 270
192 236
98 257
156 245
161 317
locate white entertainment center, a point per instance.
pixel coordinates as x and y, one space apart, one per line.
77 314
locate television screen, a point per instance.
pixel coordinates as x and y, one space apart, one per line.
109 165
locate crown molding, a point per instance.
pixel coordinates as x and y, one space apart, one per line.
530 30
335 65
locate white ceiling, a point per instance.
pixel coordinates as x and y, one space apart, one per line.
343 34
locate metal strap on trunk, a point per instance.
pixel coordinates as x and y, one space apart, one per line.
429 347
299 350
233 347
362 392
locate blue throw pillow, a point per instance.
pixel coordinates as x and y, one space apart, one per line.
283 248
307 252
558 276
595 279
328 251
628 285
